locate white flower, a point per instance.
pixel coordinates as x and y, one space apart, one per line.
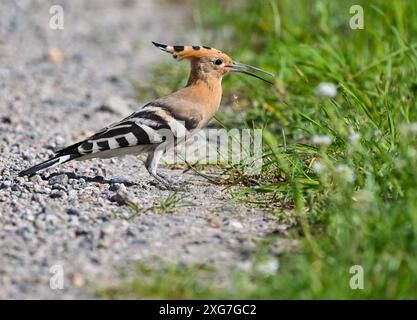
354 136
412 127
321 140
409 128
400 163
269 267
326 89
318 167
363 199
412 153
345 172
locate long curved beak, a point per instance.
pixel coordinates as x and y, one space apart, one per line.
240 68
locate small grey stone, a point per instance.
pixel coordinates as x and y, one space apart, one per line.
6 184
36 197
119 180
20 179
61 179
37 179
117 187
81 232
72 194
31 135
73 221
51 218
15 149
63 186
236 225
107 230
40 224
122 197
3 196
59 140
26 155
57 194
139 242
40 189
73 212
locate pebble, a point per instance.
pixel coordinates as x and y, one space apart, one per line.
122 197
236 225
107 230
78 280
117 187
59 141
119 180
6 184
37 179
73 211
57 194
61 179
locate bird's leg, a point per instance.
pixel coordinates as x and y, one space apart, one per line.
163 182
168 179
152 165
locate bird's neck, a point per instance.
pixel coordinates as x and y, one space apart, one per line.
205 89
211 85
200 76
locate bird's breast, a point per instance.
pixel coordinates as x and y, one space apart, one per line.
199 101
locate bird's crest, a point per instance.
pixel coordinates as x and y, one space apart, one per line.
190 52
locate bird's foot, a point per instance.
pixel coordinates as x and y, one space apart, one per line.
166 183
169 180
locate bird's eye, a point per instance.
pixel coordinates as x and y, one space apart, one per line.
218 62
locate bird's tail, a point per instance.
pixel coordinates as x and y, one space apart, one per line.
54 161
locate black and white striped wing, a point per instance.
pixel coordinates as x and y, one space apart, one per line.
146 127
142 131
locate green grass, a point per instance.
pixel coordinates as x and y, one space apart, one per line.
168 282
355 200
169 204
172 202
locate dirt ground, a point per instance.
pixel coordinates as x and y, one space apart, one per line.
72 216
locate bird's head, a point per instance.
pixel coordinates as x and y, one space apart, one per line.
210 62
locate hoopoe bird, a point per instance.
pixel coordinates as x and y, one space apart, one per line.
164 122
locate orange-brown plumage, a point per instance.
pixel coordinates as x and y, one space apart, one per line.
201 97
190 52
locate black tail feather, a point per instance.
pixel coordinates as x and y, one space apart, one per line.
59 159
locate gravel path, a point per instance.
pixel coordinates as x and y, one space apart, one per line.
73 216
